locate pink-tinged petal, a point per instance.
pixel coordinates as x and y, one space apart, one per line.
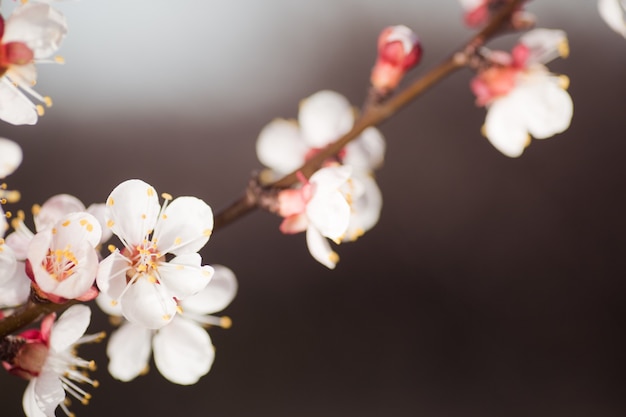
111 276
70 327
29 402
366 207
185 227
216 296
48 391
294 224
544 45
98 211
612 11
280 146
132 210
54 209
320 248
183 352
148 304
10 157
17 290
550 107
129 351
505 127
367 152
324 117
183 276
15 107
39 26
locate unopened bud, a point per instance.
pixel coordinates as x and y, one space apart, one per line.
399 50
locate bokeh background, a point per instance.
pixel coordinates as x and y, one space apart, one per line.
490 287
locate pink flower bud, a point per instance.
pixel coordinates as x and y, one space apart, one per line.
399 50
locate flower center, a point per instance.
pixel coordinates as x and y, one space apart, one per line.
60 263
144 259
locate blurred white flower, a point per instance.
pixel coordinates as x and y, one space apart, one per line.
182 349
10 157
139 277
31 34
612 11
522 97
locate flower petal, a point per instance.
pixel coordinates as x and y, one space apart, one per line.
367 152
49 391
324 117
218 294
111 276
39 26
29 401
505 127
183 276
129 350
148 304
185 227
320 249
280 146
550 107
366 207
70 327
15 107
54 209
132 211
183 352
10 157
613 14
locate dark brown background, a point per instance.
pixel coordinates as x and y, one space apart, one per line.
490 287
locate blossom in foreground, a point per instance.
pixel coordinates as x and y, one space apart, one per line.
47 215
522 97
63 261
138 277
46 357
284 145
31 34
612 11
182 350
320 208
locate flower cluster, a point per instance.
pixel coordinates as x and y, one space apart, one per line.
342 200
521 96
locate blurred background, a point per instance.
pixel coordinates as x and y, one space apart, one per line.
490 287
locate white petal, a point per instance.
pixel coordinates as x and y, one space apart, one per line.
16 291
19 243
132 210
39 26
54 209
15 107
48 391
70 327
111 276
108 304
329 213
148 304
367 152
550 108
280 146
76 228
129 350
183 352
183 276
330 178
320 249
29 402
218 294
613 14
366 208
505 127
10 157
185 227
324 117
98 211
8 263
545 45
